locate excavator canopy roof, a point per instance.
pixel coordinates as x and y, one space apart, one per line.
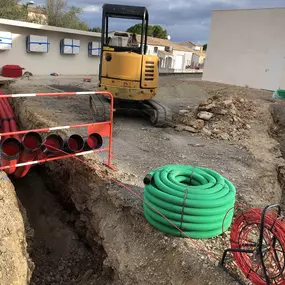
125 11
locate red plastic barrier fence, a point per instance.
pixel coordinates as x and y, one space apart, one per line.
96 131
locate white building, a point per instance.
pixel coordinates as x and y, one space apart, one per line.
174 58
43 50
198 50
246 48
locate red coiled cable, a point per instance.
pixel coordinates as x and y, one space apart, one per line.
245 234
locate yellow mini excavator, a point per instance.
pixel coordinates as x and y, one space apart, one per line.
126 70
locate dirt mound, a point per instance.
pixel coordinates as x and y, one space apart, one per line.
15 265
221 116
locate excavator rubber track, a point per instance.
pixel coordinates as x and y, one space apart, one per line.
160 115
99 107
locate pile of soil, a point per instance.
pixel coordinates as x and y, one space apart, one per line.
15 264
221 116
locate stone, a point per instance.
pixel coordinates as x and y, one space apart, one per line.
233 111
205 115
221 112
3 249
207 107
183 112
206 132
216 131
190 129
228 102
224 136
179 128
197 124
206 102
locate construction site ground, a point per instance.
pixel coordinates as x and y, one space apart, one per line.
103 222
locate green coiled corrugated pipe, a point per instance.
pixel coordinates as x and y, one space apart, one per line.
199 201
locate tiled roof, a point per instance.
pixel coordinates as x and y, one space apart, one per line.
164 42
164 52
199 52
188 43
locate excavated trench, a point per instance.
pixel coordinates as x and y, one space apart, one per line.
84 233
58 246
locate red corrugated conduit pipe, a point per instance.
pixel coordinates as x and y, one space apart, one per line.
31 143
75 143
93 141
12 149
4 119
52 146
10 115
10 146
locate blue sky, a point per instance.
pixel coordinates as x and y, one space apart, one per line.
183 19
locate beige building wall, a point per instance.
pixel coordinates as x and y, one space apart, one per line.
178 60
38 18
247 48
53 61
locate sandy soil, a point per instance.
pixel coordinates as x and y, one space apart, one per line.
15 264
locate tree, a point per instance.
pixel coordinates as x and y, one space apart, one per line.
59 15
158 32
12 10
205 47
95 30
155 31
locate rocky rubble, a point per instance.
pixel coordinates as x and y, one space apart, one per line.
222 117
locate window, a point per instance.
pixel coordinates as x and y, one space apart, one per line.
155 49
69 46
